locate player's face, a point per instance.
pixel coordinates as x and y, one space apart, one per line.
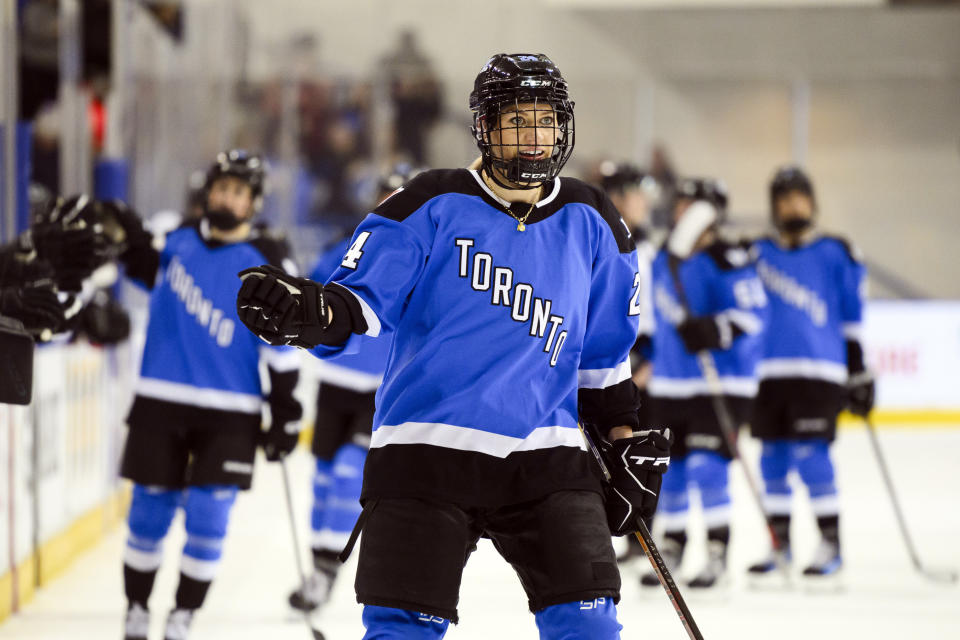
794 205
632 205
528 130
231 194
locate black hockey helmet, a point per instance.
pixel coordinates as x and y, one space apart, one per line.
241 164
620 176
510 80
787 179
711 190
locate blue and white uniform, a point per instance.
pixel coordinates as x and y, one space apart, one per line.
196 415
499 335
341 437
719 282
816 294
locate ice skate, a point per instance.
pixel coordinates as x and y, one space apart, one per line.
178 624
768 572
313 593
713 576
137 623
825 571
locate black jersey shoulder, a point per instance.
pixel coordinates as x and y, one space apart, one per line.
576 191
731 254
273 245
422 188
849 249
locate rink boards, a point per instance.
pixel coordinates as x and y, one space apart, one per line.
59 491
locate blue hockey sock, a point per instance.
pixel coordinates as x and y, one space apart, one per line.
812 459
322 481
584 620
343 500
151 512
387 623
207 514
775 463
708 470
674 504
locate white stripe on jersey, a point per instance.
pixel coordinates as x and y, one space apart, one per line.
467 439
280 359
853 331
345 377
206 398
803 368
689 387
603 378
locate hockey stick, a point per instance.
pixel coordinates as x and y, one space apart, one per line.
653 554
727 426
296 544
937 575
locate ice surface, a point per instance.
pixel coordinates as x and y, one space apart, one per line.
883 597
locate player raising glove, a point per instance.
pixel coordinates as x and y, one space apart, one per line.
636 465
283 309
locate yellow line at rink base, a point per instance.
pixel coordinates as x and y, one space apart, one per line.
56 554
942 418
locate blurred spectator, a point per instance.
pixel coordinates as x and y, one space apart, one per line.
415 92
661 168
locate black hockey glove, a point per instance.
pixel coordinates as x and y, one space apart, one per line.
636 467
700 333
73 253
282 309
104 320
280 439
861 391
36 306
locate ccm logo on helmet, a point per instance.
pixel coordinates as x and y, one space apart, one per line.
533 82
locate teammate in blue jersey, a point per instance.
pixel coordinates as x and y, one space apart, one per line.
812 364
631 192
195 419
511 295
341 432
707 297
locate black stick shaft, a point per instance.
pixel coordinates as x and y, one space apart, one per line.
296 542
653 554
666 579
888 480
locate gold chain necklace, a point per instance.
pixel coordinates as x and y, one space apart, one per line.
521 222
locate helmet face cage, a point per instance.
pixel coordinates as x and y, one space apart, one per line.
240 164
531 86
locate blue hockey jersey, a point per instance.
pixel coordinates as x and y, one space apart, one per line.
499 335
816 302
718 281
196 351
361 371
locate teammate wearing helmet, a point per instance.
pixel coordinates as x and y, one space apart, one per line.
195 419
511 297
707 297
812 365
341 431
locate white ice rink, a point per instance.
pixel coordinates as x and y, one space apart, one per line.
883 597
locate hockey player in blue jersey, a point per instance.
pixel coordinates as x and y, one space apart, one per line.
195 419
706 297
812 365
631 192
511 297
341 432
